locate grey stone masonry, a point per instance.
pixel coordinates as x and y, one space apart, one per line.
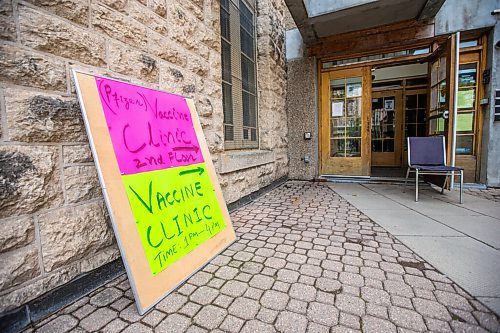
272 290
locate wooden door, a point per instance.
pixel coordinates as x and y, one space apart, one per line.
387 128
345 117
468 126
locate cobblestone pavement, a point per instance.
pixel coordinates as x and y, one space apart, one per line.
490 193
305 260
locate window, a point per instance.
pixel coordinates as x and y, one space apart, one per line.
374 57
467 91
469 43
415 109
438 97
383 124
239 91
346 99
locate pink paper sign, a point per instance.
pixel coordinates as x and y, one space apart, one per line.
150 129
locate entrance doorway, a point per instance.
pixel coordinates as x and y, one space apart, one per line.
387 128
399 104
370 104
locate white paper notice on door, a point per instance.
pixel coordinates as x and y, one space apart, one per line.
338 109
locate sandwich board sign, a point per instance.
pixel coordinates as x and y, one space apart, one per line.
158 180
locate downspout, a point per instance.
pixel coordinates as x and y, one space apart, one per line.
455 106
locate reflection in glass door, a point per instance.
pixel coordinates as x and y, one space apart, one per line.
386 128
345 117
415 110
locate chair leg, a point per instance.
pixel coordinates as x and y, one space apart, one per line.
444 183
406 180
416 185
461 185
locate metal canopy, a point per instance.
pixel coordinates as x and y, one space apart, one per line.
317 19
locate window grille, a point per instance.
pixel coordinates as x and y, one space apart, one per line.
239 92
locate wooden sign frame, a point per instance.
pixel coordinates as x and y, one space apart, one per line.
148 289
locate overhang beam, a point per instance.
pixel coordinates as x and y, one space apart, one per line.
299 13
430 9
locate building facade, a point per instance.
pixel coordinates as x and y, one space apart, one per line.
53 222
283 88
364 75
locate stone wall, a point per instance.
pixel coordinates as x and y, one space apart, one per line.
302 108
272 117
53 221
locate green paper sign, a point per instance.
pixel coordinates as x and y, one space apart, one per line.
466 99
175 211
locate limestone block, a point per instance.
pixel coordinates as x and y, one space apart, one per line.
183 28
130 62
215 141
239 160
16 232
204 107
93 71
119 5
198 66
37 117
81 183
72 233
26 68
6 8
148 18
29 179
102 257
18 266
194 8
7 28
36 288
176 81
215 64
118 26
213 16
77 154
211 88
159 7
167 50
7 23
49 34
73 10
288 21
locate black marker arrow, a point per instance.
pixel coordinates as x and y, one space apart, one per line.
193 147
186 172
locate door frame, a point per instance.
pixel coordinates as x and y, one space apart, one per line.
350 166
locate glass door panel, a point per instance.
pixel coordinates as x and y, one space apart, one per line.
344 120
386 128
345 117
466 104
415 109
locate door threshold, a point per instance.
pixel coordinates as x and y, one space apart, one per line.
365 179
387 180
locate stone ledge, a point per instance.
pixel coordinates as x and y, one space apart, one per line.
238 160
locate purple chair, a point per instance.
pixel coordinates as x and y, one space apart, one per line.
427 156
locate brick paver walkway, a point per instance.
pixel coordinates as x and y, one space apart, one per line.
305 260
